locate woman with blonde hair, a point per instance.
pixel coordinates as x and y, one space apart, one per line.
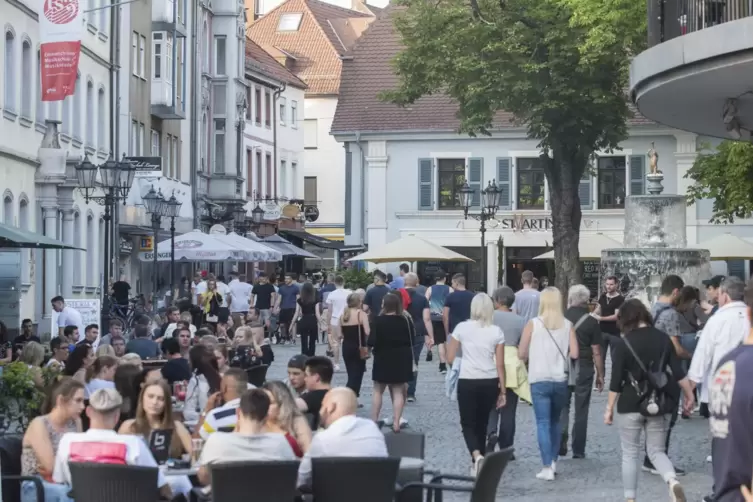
354 326
482 374
549 345
284 417
105 350
133 360
247 349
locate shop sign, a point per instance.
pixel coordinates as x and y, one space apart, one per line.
520 223
146 243
271 211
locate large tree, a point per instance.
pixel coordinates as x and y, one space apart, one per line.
559 66
724 174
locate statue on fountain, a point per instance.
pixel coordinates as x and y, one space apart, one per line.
655 176
653 159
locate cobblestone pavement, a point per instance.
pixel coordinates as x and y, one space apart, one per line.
596 478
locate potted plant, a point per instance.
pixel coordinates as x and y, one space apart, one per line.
20 399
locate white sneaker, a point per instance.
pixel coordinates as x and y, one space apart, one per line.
546 474
477 466
676 493
554 467
337 367
389 421
709 459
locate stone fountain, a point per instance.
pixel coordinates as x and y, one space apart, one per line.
655 242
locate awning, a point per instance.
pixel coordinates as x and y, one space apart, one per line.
319 241
286 248
728 247
331 233
12 237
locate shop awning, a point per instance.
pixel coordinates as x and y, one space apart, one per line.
590 247
319 241
728 247
286 248
13 237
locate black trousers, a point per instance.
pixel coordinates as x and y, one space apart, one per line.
582 392
354 365
476 400
607 340
308 330
502 421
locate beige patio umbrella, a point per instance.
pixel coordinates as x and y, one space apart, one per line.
590 247
410 248
728 247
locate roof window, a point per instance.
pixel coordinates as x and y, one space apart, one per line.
290 22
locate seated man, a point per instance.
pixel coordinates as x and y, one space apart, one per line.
102 444
296 372
247 442
345 434
318 380
224 418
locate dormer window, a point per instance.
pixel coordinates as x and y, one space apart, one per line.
290 22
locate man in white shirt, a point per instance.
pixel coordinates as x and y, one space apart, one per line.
345 434
198 280
67 316
224 290
234 384
102 444
337 301
240 292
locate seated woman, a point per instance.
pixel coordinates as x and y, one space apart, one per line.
40 443
204 382
79 361
33 355
248 352
285 418
101 374
155 413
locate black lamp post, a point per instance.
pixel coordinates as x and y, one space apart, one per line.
157 207
172 211
240 225
106 184
257 216
489 200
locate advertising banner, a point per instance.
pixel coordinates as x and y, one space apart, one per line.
61 26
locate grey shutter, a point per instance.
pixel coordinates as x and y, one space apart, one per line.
736 268
476 179
584 191
637 174
504 174
348 191
425 185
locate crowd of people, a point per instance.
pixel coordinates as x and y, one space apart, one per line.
682 356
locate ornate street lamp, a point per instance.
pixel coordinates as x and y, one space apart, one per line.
257 215
239 220
488 200
157 207
172 210
110 187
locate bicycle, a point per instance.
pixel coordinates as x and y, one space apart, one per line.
127 314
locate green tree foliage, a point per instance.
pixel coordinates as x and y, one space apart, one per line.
724 174
559 66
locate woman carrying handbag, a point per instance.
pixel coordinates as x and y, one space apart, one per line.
354 325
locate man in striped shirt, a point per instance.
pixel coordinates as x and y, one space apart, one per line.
224 418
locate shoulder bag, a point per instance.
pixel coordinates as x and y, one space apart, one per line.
363 351
411 330
652 397
571 365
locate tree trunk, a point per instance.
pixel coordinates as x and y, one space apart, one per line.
563 173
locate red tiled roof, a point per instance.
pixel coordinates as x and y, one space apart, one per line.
326 33
257 59
368 71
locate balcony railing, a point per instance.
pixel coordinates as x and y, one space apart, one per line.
668 19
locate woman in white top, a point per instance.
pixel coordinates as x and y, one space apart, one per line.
482 374
548 344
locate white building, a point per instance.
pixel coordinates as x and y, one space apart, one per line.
407 166
42 201
273 136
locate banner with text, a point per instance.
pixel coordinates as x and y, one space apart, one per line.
61 27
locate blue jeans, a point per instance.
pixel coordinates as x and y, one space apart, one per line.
418 346
549 398
53 492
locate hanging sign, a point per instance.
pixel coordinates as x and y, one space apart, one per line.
61 27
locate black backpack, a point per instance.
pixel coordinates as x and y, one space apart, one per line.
651 388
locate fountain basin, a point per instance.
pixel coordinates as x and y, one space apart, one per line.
655 221
641 270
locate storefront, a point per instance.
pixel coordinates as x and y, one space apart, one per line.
331 254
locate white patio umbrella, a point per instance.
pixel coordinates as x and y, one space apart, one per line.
590 247
410 248
196 246
259 250
728 247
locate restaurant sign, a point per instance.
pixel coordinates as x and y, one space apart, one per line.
520 223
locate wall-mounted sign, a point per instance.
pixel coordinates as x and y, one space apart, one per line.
311 213
520 223
291 211
146 243
271 211
218 229
146 166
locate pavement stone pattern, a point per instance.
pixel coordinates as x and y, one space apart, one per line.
596 478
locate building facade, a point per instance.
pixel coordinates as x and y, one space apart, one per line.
37 197
404 169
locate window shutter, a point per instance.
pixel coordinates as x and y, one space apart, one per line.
584 191
425 185
637 174
476 179
504 174
736 268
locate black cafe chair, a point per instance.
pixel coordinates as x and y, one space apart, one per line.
94 482
260 481
11 447
483 488
257 375
348 479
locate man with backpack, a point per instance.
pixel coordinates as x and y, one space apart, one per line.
667 319
418 308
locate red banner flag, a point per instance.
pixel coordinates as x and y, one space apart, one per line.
61 26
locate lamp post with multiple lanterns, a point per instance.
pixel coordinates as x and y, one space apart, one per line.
106 184
489 199
156 207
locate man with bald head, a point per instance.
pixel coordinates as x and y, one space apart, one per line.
345 434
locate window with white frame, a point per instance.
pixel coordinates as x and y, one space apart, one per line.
310 195
92 277
220 55
142 138
176 166
78 255
102 118
219 146
257 105
283 177
134 137
267 108
220 98
450 179
290 21
181 74
168 157
169 64
611 180
294 114
142 56
157 42
293 180
310 133
155 143
531 183
90 139
282 102
135 53
40 111
26 74
9 78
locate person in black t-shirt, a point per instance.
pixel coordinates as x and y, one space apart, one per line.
606 313
318 376
264 296
457 306
120 293
27 335
372 302
421 315
176 369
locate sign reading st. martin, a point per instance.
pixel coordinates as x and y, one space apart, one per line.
519 223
